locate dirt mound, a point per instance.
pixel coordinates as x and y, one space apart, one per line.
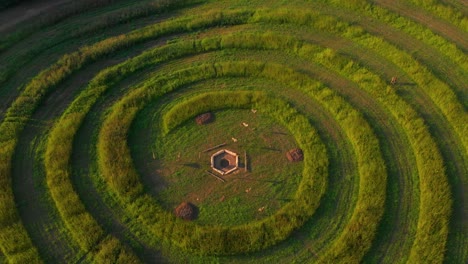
204 118
295 155
186 211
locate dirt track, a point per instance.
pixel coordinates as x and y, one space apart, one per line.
437 25
19 13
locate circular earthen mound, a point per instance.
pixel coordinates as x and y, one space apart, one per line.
204 118
295 155
186 211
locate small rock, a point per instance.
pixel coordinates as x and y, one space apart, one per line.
186 211
295 155
204 118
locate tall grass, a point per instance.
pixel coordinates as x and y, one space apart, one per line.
360 231
36 90
440 93
48 19
426 153
408 26
279 74
108 74
15 243
207 102
10 67
435 192
83 227
69 10
443 11
357 236
216 240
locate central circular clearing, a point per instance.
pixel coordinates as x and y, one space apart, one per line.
180 171
262 180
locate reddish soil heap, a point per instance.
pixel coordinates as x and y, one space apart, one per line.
295 155
204 118
186 211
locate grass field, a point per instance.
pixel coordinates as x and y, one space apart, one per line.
99 144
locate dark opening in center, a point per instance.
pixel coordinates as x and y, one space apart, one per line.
224 163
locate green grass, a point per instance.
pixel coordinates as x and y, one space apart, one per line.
222 68
377 156
252 236
320 235
265 186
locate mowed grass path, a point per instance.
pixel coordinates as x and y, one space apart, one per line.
58 206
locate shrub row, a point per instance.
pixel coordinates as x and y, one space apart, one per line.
439 92
435 200
15 243
215 239
357 236
208 48
243 71
435 204
84 229
11 66
48 19
430 163
37 89
207 102
71 9
110 250
226 67
445 12
408 26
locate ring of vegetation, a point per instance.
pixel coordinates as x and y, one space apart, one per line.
213 239
428 121
126 114
228 84
174 168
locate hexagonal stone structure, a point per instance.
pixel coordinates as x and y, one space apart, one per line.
224 161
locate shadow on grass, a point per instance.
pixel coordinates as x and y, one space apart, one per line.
193 165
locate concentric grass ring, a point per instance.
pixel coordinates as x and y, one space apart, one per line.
441 95
215 239
125 114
